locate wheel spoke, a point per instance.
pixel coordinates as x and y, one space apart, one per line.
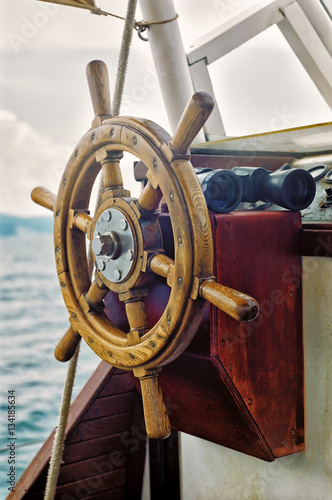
155 412
83 222
192 120
112 177
98 82
149 199
96 294
43 197
136 314
66 348
236 304
111 173
161 264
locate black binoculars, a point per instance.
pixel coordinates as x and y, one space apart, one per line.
224 190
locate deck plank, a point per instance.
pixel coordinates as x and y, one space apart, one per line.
119 383
81 451
104 426
110 405
88 487
114 494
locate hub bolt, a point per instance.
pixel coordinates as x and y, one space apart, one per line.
129 255
117 274
101 265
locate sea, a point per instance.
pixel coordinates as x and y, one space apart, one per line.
33 318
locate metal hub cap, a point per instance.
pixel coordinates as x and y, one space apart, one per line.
113 245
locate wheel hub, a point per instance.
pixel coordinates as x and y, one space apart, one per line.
113 245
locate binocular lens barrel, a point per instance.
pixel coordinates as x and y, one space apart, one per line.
293 189
222 190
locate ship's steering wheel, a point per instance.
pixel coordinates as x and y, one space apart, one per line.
127 246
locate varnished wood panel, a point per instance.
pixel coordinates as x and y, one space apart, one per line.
92 485
202 401
257 253
98 465
113 494
100 427
89 486
110 405
118 384
93 448
316 240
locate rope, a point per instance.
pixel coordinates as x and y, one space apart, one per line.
123 56
138 25
147 24
58 443
100 12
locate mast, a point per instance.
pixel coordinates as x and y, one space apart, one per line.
169 59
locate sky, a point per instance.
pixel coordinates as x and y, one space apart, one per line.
45 106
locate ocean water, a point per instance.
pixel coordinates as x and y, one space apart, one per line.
33 318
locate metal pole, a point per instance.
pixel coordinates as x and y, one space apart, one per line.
319 19
169 59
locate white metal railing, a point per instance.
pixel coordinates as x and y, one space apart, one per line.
305 24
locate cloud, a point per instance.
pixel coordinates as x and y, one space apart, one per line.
27 159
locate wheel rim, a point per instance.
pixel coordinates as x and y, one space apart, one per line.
191 231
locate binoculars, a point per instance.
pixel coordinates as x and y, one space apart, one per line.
224 190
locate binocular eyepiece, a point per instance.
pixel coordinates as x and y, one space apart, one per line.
293 189
222 189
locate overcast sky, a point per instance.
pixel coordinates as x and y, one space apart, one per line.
45 106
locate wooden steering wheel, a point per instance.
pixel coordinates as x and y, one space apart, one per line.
127 246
